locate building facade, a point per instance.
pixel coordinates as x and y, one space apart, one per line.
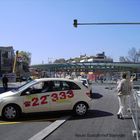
6 59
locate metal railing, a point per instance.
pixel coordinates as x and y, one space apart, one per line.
135 112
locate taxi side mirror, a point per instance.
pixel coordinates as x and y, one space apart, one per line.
27 92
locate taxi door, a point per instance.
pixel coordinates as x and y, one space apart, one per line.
35 100
61 97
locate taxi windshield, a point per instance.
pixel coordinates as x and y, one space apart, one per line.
27 84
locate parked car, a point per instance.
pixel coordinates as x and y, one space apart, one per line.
45 94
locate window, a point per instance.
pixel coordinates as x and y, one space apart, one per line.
73 86
60 86
33 89
48 86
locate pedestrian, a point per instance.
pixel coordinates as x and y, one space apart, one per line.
124 91
5 82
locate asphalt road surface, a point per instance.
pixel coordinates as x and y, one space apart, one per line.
100 123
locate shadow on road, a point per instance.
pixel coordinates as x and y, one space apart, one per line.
41 116
110 88
96 95
93 114
52 116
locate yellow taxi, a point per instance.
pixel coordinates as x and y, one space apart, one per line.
45 94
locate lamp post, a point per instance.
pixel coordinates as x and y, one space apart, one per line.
75 23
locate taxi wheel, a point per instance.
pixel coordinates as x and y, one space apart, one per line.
80 108
10 112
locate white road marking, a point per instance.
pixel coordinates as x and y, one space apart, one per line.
48 130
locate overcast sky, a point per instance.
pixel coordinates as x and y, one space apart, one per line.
45 27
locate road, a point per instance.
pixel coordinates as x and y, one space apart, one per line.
101 122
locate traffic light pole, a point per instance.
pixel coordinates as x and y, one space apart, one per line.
15 61
75 24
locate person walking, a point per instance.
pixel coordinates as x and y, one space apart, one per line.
5 82
124 91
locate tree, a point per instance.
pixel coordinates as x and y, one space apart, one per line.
123 59
133 56
61 60
77 59
25 60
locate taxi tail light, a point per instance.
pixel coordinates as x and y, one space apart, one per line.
88 94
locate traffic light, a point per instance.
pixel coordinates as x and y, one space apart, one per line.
75 23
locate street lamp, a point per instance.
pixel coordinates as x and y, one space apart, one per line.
75 23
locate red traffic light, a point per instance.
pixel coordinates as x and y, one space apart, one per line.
75 23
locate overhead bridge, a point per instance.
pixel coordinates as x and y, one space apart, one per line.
88 67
